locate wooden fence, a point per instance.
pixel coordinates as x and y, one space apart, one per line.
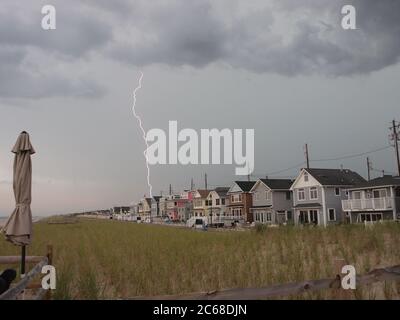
282 290
26 283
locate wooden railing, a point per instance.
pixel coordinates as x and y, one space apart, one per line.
282 290
16 291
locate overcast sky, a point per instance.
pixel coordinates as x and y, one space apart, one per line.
285 68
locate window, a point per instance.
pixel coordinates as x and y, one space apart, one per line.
314 216
301 195
236 198
256 196
288 195
223 201
357 195
217 202
303 217
268 216
305 177
332 214
268 195
313 193
381 193
236 212
337 191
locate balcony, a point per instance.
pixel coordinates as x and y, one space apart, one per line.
368 204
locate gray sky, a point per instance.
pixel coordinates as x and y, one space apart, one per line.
283 67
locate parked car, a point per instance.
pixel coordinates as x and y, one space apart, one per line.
200 224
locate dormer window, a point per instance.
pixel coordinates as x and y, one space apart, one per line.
305 177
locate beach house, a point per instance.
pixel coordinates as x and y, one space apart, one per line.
199 202
318 195
272 201
216 201
375 200
240 201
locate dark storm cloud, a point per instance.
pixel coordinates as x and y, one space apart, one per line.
331 50
288 37
182 33
192 33
25 48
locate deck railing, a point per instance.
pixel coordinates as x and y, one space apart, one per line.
385 203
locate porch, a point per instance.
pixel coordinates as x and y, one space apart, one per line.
384 203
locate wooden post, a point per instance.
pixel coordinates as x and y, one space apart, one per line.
50 262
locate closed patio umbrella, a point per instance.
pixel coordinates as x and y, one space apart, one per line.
18 228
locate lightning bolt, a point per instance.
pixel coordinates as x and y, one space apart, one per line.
143 132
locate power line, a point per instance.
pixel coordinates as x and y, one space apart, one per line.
353 155
384 171
323 160
280 171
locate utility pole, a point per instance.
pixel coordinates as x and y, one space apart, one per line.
306 154
170 189
369 169
191 184
205 180
395 138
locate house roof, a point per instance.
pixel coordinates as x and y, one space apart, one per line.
308 205
386 180
222 191
245 185
203 192
278 184
157 198
336 177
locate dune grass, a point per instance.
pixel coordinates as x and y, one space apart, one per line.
98 259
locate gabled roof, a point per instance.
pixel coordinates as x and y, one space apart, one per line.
277 184
222 191
148 200
203 192
336 177
245 186
386 180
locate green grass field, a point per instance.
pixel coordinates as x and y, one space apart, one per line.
98 259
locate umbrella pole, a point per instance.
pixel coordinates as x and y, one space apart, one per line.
23 253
